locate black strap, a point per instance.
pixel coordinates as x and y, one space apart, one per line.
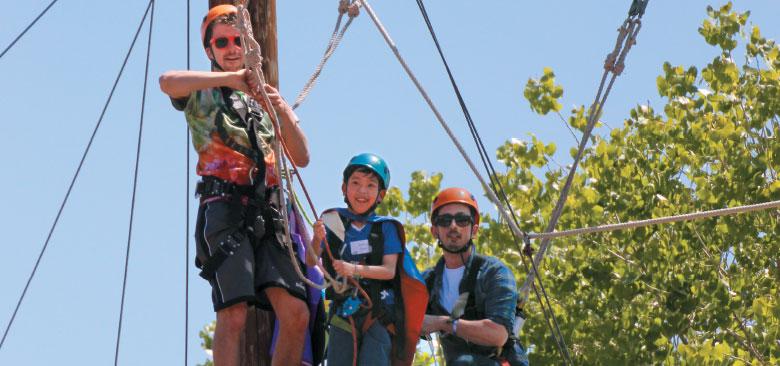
251 119
212 186
223 251
469 284
376 240
434 307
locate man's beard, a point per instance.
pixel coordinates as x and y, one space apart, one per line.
452 240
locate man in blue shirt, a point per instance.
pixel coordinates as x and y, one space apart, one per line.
472 296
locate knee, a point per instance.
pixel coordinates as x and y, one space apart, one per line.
232 319
295 316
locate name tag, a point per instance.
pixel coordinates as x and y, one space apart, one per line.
359 247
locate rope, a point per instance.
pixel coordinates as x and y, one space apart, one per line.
187 212
135 186
75 176
658 221
254 58
614 64
27 28
350 7
491 195
495 183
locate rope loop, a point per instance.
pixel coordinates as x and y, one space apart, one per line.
343 6
354 9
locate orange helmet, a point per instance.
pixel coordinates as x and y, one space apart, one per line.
455 195
214 13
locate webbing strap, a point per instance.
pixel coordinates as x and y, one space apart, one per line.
254 153
468 284
223 251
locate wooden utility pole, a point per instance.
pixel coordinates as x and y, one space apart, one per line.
256 342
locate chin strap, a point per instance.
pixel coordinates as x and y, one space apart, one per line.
458 251
215 65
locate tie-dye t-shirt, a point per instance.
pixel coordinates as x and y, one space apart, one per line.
202 109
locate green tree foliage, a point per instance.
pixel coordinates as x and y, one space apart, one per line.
698 293
206 342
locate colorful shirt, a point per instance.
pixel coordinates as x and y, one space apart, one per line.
203 109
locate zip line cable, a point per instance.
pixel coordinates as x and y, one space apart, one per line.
496 184
658 221
614 64
75 176
135 185
187 211
27 28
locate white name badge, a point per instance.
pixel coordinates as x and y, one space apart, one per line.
359 247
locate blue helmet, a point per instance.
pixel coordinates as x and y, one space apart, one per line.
372 162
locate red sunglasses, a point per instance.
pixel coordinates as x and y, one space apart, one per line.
223 42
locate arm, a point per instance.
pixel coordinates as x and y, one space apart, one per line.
384 272
291 133
314 250
180 84
483 332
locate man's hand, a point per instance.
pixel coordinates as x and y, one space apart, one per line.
436 323
240 81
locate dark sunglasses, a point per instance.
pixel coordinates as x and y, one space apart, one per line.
446 220
223 42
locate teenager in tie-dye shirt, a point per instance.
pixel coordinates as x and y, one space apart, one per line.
221 114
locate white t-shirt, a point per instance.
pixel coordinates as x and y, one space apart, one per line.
450 282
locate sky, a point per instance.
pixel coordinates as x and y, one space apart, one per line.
57 78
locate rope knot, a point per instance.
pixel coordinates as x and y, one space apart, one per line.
343 5
609 63
354 9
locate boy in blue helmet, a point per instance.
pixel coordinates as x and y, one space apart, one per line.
371 317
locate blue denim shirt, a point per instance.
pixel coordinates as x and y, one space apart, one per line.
495 295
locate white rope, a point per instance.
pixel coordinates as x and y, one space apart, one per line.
491 194
335 39
658 221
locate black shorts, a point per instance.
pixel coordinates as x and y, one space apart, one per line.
251 268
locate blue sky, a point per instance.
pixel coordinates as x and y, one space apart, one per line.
56 79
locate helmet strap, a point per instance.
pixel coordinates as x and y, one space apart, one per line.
457 251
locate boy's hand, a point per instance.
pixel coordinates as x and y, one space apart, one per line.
345 269
319 232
